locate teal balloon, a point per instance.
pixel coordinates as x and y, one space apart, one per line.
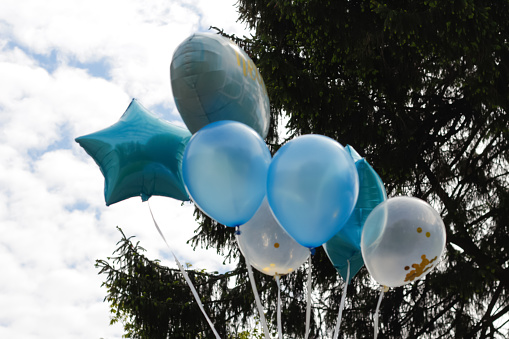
140 155
346 244
225 169
312 188
213 79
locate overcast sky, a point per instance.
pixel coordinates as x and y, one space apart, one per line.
70 68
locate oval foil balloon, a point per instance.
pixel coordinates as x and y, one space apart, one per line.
213 79
402 240
268 247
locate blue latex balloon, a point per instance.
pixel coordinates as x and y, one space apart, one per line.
225 171
346 244
213 79
312 188
140 155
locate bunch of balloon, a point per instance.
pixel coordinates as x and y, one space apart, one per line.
267 247
344 248
140 155
225 168
403 240
213 79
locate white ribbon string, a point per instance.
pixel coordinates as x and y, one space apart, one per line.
186 277
257 297
375 320
308 308
342 305
279 327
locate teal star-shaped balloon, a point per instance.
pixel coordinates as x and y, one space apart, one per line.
140 155
345 246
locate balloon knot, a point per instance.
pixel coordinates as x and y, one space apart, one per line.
313 251
237 230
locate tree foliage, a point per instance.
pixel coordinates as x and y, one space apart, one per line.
421 89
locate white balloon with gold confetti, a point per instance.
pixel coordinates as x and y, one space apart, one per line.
403 240
267 246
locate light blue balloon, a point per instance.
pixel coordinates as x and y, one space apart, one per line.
225 171
213 79
346 244
140 155
312 188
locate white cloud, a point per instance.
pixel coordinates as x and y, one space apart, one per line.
53 220
136 38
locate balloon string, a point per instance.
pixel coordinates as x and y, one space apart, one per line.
279 327
377 310
255 292
342 305
186 277
308 308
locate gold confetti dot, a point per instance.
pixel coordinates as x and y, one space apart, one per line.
276 245
407 268
428 234
272 265
419 230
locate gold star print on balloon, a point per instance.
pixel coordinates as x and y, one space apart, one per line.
424 266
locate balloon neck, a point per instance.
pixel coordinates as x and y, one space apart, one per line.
144 197
312 250
237 230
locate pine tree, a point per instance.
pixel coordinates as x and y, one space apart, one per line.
421 90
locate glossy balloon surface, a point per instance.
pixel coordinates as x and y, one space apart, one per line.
268 247
225 171
213 79
140 155
312 188
403 240
345 245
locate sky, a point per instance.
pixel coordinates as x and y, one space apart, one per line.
70 68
